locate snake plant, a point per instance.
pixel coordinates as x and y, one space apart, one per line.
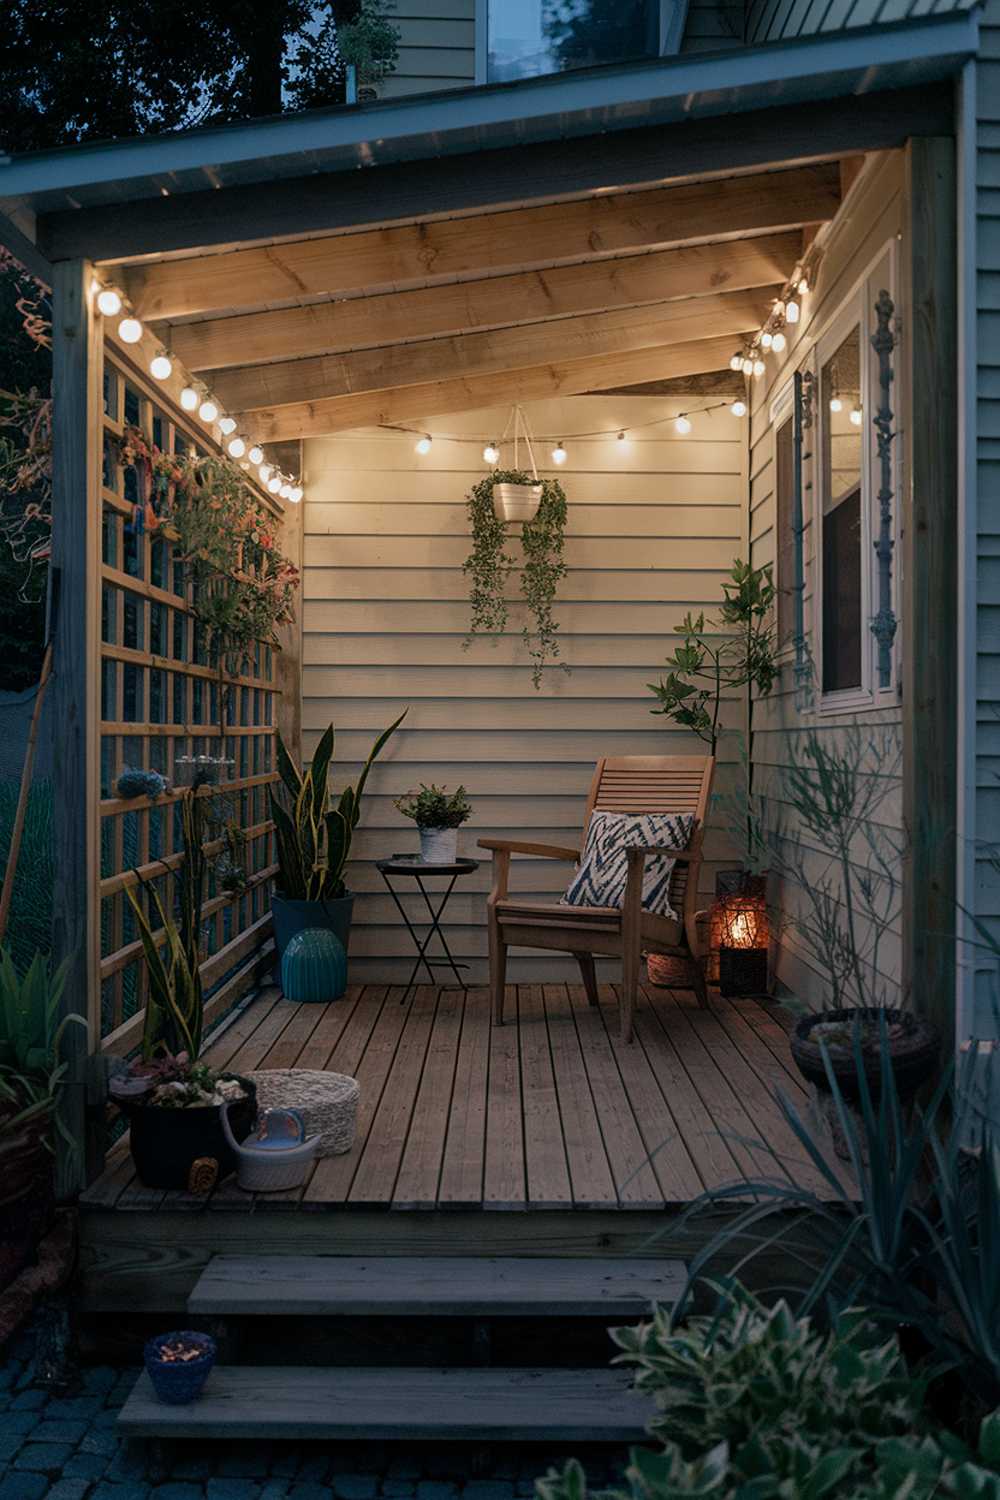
314 839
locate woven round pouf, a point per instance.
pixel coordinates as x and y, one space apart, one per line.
328 1103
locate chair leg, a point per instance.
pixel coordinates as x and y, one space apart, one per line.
589 975
498 969
698 982
630 989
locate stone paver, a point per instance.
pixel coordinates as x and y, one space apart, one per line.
66 1447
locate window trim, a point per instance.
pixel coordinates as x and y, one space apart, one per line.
782 410
673 21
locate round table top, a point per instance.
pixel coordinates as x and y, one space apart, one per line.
412 864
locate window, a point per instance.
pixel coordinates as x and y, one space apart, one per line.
527 38
788 543
841 529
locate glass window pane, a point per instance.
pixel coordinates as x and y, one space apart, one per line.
527 38
788 542
840 398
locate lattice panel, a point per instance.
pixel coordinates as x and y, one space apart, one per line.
162 699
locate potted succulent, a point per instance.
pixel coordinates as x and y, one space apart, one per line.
178 1364
314 842
438 816
30 1079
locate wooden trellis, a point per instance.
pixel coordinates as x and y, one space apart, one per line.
163 698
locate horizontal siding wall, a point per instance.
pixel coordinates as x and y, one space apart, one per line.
873 216
653 526
775 20
437 46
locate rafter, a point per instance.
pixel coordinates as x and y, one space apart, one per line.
494 351
501 301
469 392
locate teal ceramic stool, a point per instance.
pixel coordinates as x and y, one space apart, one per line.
314 968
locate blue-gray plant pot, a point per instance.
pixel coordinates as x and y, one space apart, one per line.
291 917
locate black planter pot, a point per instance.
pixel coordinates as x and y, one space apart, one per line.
166 1143
291 917
914 1050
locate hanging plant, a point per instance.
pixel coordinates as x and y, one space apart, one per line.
241 586
490 564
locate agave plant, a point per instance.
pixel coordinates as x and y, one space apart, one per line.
314 840
31 1036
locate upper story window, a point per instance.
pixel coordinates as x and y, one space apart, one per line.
527 38
845 606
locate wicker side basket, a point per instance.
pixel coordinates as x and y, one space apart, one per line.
328 1103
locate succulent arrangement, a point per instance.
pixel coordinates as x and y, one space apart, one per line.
433 807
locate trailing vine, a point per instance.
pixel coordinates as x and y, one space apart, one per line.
490 564
242 586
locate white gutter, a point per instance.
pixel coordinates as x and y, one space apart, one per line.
685 87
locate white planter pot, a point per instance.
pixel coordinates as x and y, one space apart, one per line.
439 846
516 502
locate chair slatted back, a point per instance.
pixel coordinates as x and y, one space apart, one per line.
656 784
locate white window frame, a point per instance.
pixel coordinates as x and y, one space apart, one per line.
673 18
858 310
782 410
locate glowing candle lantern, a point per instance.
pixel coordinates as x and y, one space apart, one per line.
740 922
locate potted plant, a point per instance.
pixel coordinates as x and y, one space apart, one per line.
30 1079
178 1365
314 842
368 47
517 495
438 816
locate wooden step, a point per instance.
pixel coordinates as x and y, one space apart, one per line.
490 1405
439 1286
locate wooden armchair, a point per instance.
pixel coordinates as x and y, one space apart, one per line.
621 784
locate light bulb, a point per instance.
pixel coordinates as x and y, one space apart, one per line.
130 330
256 454
803 286
295 494
791 312
766 339
108 301
227 425
491 453
736 363
748 366
621 438
237 447
265 473
739 408
836 404
778 310
778 342
160 367
759 367
559 453
285 491
274 484
682 424
208 411
856 415
189 398
423 445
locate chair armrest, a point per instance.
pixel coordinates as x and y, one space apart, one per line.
515 846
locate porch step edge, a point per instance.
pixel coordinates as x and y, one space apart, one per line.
439 1286
526 1405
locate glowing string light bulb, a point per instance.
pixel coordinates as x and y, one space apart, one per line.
559 453
256 454
265 473
208 411
285 491
856 415
295 494
227 425
778 342
836 404
237 447
739 408
759 367
803 286
130 330
189 398
109 301
791 312
766 339
491 453
274 484
160 367
682 424
748 366
423 445
736 363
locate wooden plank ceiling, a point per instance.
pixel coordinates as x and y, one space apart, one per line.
390 324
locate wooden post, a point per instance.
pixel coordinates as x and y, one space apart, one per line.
929 623
77 358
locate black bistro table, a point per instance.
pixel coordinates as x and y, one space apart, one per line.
413 867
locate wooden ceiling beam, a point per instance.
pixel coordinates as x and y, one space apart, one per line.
616 223
499 301
299 380
415 403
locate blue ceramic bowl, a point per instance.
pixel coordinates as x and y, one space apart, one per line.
179 1384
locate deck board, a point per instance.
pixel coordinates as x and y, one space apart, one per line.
551 1111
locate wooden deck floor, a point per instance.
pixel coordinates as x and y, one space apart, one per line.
551 1111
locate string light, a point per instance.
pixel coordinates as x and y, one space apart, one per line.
491 453
285 491
130 330
189 398
423 445
739 408
766 339
856 415
759 367
747 365
295 494
778 342
682 424
836 404
559 453
736 363
237 447
265 471
208 411
274 484
109 301
227 425
802 286
791 312
256 454
160 367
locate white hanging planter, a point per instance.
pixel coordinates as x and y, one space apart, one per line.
516 502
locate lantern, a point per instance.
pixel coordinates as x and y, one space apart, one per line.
743 937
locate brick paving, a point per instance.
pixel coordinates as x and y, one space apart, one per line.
65 1447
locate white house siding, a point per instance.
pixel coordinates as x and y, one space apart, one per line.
653 526
987 729
776 20
437 47
872 218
